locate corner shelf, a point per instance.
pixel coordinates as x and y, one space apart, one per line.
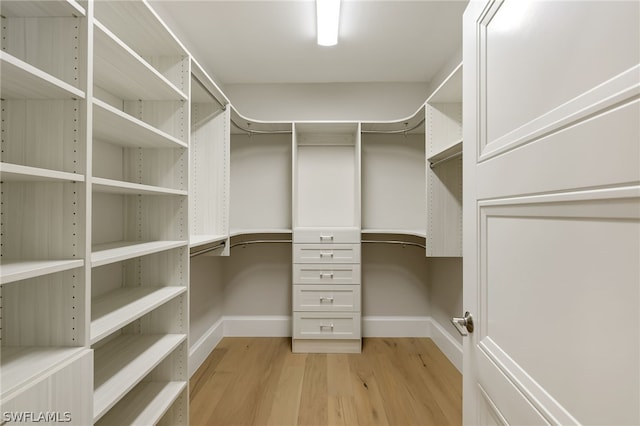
118 308
200 240
124 362
104 254
21 80
145 404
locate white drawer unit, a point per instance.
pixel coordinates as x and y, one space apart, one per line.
326 253
326 236
326 325
326 298
317 273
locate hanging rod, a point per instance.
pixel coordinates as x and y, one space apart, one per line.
207 250
206 89
244 243
260 132
394 132
444 160
403 243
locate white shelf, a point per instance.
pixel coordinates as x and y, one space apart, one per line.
16 270
141 26
200 240
282 231
21 80
125 74
412 232
124 362
452 150
22 365
103 254
115 126
120 187
144 405
41 8
118 308
17 173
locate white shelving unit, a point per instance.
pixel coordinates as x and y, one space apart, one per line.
210 168
326 237
139 224
393 176
42 173
444 171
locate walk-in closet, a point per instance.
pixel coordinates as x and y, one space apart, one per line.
210 217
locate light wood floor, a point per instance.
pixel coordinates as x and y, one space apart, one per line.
258 381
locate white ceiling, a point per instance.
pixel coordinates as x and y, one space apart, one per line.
265 41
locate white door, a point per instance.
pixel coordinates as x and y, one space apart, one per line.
552 212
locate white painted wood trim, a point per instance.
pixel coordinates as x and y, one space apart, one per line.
449 346
374 326
200 350
257 326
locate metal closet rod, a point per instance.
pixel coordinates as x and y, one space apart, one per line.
288 132
261 132
403 243
394 132
207 250
444 160
244 243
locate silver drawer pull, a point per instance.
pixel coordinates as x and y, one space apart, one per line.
326 275
326 237
326 254
326 299
329 326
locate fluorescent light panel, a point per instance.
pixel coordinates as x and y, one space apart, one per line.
328 15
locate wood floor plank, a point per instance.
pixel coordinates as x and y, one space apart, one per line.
259 381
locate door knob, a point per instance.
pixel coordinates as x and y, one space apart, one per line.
463 325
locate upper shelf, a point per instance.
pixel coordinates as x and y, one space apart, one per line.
139 27
410 125
111 186
40 8
21 80
450 91
16 270
125 74
115 126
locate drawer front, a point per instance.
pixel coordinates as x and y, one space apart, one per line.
326 235
326 253
326 274
321 325
326 298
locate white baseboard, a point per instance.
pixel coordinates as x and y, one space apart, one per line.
200 350
396 326
280 326
449 346
257 326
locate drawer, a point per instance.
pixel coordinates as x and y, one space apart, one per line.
326 274
326 253
326 325
326 298
326 235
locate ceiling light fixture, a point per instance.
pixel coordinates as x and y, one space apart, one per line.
328 15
